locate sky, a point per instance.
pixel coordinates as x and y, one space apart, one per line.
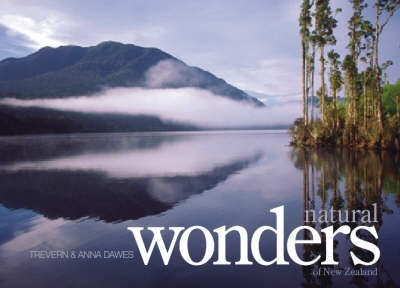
254 45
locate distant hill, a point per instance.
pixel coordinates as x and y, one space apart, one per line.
30 120
74 70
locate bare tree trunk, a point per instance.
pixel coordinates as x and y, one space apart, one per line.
307 82
322 60
312 83
336 124
377 72
365 101
355 108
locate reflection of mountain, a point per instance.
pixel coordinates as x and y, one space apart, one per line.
73 194
116 177
161 155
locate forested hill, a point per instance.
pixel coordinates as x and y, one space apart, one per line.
74 70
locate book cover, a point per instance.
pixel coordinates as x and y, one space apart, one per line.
199 143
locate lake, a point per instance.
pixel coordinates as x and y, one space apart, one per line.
80 192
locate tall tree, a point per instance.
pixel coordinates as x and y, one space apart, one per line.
305 23
368 82
324 25
356 33
351 76
336 81
312 71
390 7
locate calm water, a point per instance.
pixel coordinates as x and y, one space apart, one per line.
81 192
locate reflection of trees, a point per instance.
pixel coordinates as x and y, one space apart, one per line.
346 180
20 149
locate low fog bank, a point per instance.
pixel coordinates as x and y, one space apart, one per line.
186 105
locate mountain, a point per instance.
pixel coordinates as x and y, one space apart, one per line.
74 70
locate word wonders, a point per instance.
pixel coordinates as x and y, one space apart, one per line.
222 232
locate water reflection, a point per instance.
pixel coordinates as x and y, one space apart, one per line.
116 180
91 183
344 181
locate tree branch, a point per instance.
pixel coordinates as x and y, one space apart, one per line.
387 19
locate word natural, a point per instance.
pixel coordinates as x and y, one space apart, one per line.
339 216
292 241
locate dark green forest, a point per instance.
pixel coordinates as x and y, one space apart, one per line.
21 120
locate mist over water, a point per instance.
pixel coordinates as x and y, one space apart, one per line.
187 105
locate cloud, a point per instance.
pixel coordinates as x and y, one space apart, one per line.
271 76
271 100
188 105
37 33
172 73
